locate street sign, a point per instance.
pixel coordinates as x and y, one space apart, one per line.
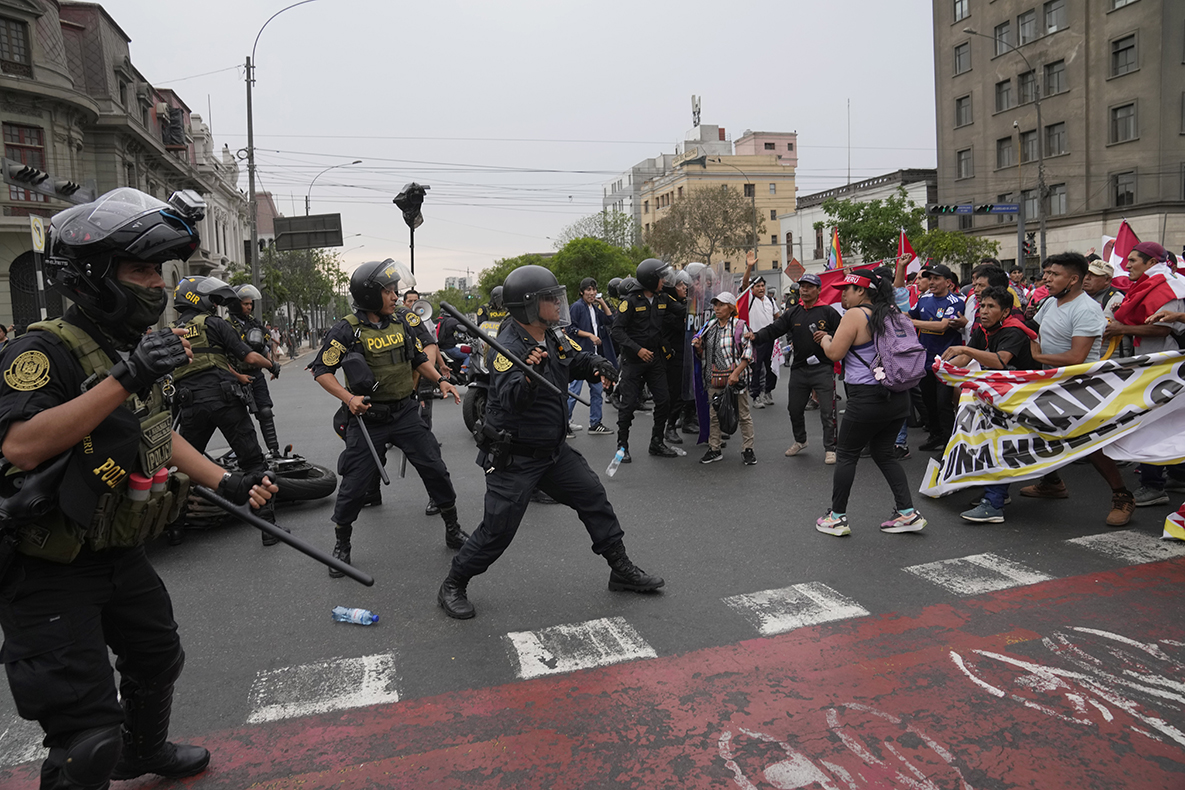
308 233
968 208
37 228
1004 208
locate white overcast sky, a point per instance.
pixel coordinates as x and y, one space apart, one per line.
516 111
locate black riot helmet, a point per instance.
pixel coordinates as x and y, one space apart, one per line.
651 271
496 298
613 286
530 292
628 286
89 240
248 291
203 294
369 280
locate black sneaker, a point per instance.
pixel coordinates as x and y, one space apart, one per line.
932 444
599 430
901 452
662 451
711 456
749 457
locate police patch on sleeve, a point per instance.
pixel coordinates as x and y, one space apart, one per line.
412 318
502 364
623 306
331 356
576 346
29 371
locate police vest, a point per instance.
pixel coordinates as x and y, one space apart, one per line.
205 355
253 335
117 520
385 351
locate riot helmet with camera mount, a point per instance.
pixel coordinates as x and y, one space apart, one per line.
530 292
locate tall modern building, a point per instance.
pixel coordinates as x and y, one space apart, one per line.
624 192
1091 92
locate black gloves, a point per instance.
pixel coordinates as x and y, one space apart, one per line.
236 486
604 367
158 354
275 370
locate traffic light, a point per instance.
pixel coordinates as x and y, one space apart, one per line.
1031 245
943 209
23 176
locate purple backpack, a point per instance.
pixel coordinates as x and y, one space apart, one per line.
900 361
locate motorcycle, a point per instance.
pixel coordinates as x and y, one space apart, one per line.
473 406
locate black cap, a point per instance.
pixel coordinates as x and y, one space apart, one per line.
942 271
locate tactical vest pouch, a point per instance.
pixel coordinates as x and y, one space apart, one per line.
122 522
156 442
54 538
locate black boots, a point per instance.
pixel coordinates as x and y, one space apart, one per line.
146 749
454 536
627 576
661 450
431 509
453 599
341 550
625 455
267 426
673 436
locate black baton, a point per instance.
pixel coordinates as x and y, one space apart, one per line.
533 374
242 512
373 452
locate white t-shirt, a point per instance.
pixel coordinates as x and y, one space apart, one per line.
1080 317
1153 345
761 313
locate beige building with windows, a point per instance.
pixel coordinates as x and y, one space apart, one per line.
763 175
1096 88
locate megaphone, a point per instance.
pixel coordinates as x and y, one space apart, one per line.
422 308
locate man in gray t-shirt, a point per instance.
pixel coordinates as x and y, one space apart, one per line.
1072 326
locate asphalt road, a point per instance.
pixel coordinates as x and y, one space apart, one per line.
262 648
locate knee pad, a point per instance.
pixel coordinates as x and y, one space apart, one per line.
264 413
91 756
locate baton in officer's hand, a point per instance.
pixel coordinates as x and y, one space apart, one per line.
373 452
531 372
244 513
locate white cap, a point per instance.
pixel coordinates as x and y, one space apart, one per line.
724 297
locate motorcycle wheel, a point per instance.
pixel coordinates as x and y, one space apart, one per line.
303 483
473 407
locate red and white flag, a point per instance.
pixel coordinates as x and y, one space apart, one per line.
1116 250
905 248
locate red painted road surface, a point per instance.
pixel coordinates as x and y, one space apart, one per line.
1075 683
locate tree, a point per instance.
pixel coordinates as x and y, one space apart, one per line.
306 281
594 258
871 229
462 300
613 227
708 223
494 276
954 248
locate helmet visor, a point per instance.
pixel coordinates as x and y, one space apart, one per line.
393 271
248 292
216 291
96 221
548 306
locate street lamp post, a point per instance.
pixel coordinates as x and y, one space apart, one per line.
323 172
253 209
1040 139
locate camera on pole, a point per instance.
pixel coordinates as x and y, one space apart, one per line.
409 202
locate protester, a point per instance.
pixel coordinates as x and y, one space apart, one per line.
726 354
938 318
591 320
1071 332
1000 341
1017 276
1098 284
763 310
874 413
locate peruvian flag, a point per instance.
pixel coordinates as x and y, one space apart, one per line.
904 248
743 304
1121 247
832 288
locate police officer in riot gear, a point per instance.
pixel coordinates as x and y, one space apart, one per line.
378 349
638 333
209 392
675 337
84 412
494 310
254 334
522 441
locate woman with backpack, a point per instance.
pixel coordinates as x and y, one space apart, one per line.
877 345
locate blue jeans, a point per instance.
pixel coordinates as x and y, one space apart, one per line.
903 434
996 494
457 354
594 397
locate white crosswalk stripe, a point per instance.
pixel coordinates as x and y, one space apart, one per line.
778 611
324 686
977 574
1131 546
20 742
567 648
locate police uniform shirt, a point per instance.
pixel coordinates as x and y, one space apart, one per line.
340 340
39 373
675 323
223 338
418 328
639 322
531 414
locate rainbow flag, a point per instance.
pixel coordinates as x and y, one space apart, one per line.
834 258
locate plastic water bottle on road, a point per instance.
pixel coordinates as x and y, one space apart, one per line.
343 614
678 450
616 462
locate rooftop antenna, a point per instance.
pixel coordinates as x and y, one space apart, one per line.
695 110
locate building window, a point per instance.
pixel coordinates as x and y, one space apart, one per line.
1003 38
966 222
1123 123
1125 188
769 146
1055 15
962 9
1055 77
1028 146
818 243
789 146
773 189
1057 200
25 144
1055 139
1002 218
963 164
1123 55
1005 152
14 48
680 192
790 246
1026 87
963 57
962 111
1003 95
773 241
750 190
773 214
645 206
1029 198
1026 26
1120 3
